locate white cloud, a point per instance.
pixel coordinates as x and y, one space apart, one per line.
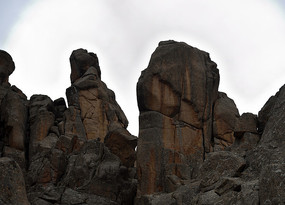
245 39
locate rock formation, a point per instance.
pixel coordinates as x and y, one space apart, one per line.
193 147
54 154
176 96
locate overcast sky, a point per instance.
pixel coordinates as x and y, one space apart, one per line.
246 38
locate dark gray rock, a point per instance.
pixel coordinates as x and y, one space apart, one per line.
246 123
7 67
272 184
220 164
176 95
80 61
12 186
225 117
13 119
41 119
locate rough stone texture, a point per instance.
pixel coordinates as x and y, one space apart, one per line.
266 161
220 164
80 61
272 184
246 123
59 148
225 117
122 143
248 142
83 154
264 113
12 186
13 118
41 119
175 95
95 109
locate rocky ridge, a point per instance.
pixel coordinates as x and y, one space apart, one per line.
80 154
193 146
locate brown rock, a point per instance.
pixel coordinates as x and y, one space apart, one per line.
7 66
175 95
41 119
96 104
73 124
93 105
123 144
225 116
246 123
12 186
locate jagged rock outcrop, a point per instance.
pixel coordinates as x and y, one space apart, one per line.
193 146
80 154
176 96
224 121
243 156
13 115
95 108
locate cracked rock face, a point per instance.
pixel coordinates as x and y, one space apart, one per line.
193 146
53 154
176 94
95 108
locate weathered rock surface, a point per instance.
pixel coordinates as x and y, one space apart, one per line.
12 186
173 136
93 105
194 147
81 154
225 117
14 114
176 95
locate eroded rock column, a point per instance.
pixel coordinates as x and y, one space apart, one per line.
95 110
176 94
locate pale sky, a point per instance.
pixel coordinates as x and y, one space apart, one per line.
246 38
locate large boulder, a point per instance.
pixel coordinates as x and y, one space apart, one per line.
80 61
225 117
175 94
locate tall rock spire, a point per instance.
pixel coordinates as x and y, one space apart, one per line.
176 95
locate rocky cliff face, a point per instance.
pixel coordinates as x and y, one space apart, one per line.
176 95
193 147
54 154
